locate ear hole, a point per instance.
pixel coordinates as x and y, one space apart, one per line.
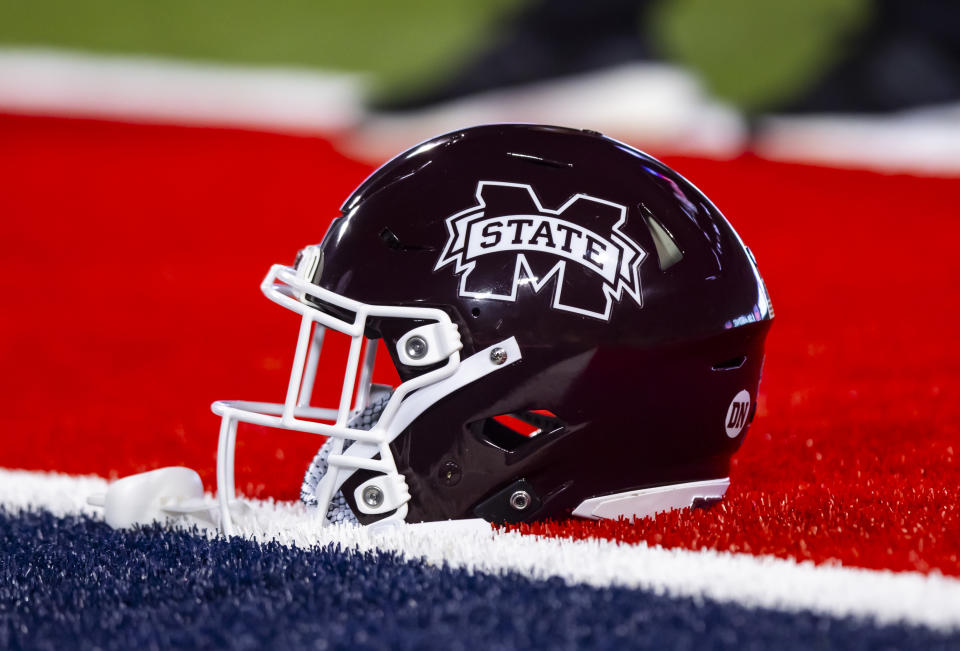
730 364
510 431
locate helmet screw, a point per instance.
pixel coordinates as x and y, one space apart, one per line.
498 356
450 473
416 347
520 500
372 496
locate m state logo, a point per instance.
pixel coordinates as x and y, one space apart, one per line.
509 239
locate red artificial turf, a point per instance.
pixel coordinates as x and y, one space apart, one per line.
131 258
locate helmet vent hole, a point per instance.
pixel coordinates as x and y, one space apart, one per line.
668 252
510 431
475 312
730 364
539 160
392 241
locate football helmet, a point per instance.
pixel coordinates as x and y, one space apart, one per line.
577 330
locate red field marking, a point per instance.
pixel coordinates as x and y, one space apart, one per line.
131 257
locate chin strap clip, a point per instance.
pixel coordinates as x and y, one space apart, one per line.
156 496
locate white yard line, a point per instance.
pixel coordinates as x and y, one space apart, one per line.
765 582
147 89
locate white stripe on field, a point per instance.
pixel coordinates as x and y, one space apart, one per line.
765 582
649 105
919 141
146 89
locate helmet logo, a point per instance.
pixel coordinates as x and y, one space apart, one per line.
508 224
737 414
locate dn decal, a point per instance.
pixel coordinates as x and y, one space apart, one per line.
737 414
502 241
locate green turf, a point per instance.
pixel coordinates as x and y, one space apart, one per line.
757 52
750 51
397 42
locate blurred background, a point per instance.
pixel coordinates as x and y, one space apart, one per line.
157 157
848 82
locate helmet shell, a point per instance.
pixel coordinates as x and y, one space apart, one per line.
639 312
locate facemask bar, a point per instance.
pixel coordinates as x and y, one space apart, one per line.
285 286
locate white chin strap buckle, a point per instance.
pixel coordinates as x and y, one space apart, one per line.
155 496
382 494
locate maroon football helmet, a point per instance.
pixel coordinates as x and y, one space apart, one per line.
577 328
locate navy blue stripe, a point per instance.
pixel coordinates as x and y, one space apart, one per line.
72 583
